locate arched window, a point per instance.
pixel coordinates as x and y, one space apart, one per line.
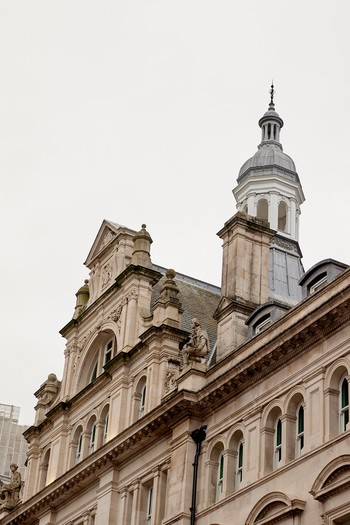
142 402
282 216
220 480
239 465
149 503
79 450
92 442
262 210
44 467
337 399
278 442
105 429
101 351
344 404
300 431
139 402
216 473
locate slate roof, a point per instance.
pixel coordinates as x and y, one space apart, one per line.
198 299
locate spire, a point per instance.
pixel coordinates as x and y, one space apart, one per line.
271 124
272 92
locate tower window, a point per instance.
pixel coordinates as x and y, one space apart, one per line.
282 216
262 211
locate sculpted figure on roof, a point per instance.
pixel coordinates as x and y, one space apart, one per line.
198 346
9 492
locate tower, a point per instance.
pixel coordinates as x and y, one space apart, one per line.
261 254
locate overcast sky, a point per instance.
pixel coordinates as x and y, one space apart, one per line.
143 112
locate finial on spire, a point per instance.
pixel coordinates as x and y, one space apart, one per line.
272 93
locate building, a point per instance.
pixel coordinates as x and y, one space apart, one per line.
13 446
254 430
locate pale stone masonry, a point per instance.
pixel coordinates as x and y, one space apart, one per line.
114 439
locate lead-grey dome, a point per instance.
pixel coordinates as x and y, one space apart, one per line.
268 156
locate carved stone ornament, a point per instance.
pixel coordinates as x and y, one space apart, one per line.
171 375
106 274
285 245
107 239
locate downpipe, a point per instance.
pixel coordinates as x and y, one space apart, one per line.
198 437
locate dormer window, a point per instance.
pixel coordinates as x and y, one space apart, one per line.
262 324
319 283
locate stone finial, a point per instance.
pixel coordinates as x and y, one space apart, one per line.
142 248
82 296
169 291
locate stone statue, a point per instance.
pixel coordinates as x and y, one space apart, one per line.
9 492
198 345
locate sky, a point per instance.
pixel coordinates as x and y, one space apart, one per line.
143 111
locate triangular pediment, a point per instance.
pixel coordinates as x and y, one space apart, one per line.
106 235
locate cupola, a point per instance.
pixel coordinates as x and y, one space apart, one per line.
268 184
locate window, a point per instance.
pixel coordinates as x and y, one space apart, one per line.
239 469
92 439
300 430
79 448
318 283
149 503
262 324
220 480
278 442
262 210
344 404
94 373
108 352
142 402
282 216
100 353
105 429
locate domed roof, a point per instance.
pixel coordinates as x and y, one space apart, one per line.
268 155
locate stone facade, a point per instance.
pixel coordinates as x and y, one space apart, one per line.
115 442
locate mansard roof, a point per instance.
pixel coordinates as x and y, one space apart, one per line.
198 299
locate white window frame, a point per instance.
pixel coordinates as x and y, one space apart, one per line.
92 442
78 455
220 476
343 408
278 445
149 503
108 352
300 435
239 464
105 428
142 401
261 326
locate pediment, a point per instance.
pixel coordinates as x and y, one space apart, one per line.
107 233
334 478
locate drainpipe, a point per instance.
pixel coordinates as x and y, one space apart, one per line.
198 437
